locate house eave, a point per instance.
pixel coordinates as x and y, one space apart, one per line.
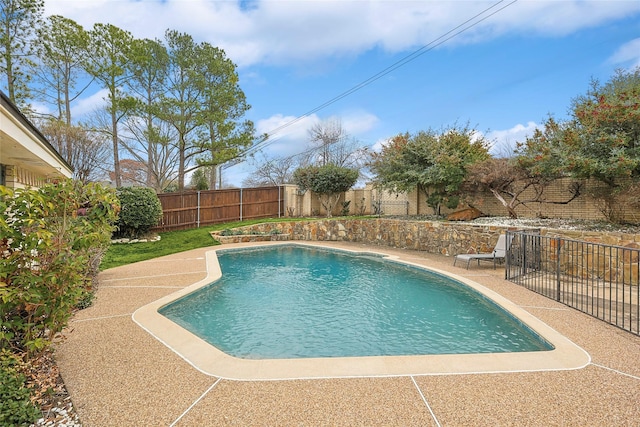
22 145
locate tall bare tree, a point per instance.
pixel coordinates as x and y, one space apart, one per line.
109 55
225 134
179 104
87 152
276 171
61 47
147 138
323 135
19 20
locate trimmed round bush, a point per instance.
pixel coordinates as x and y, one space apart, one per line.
140 209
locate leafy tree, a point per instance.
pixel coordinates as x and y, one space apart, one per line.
180 103
200 180
601 141
512 183
133 172
434 163
607 122
18 22
148 138
107 61
61 47
224 134
328 181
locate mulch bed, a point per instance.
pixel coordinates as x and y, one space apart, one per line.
49 392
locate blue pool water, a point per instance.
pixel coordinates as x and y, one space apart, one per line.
293 301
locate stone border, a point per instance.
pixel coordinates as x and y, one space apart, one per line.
249 237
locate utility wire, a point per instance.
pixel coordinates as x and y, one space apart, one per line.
454 32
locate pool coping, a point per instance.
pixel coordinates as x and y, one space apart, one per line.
211 361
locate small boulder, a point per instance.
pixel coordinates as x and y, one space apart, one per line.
468 214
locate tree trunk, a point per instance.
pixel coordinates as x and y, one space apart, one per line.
116 156
510 209
181 161
213 175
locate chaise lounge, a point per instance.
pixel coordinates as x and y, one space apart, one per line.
499 253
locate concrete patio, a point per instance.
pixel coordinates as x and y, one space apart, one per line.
120 375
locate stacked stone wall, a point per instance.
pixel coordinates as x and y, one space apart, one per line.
438 237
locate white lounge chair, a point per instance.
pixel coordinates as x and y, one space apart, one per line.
498 254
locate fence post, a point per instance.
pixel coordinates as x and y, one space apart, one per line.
198 212
523 267
240 204
279 201
558 250
507 263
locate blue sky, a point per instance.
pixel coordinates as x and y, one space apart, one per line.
504 75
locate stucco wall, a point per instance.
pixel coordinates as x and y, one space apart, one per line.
412 203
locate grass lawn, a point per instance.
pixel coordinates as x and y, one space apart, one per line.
172 242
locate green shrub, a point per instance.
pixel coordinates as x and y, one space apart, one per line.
16 408
140 210
327 181
345 208
53 240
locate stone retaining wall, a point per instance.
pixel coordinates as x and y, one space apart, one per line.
439 237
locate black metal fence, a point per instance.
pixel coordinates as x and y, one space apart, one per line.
390 207
597 279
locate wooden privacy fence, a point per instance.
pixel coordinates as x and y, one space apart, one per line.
193 209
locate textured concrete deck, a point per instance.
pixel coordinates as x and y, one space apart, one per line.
118 374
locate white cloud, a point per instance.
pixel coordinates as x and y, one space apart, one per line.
290 135
628 54
557 18
41 109
89 104
287 134
290 32
377 146
504 141
291 127
358 122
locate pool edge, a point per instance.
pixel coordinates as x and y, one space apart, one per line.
209 360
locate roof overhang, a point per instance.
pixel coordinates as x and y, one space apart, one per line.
22 144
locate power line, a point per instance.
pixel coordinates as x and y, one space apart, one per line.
454 32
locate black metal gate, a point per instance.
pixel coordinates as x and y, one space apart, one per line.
597 279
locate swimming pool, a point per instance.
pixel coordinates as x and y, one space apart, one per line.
291 301
210 360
